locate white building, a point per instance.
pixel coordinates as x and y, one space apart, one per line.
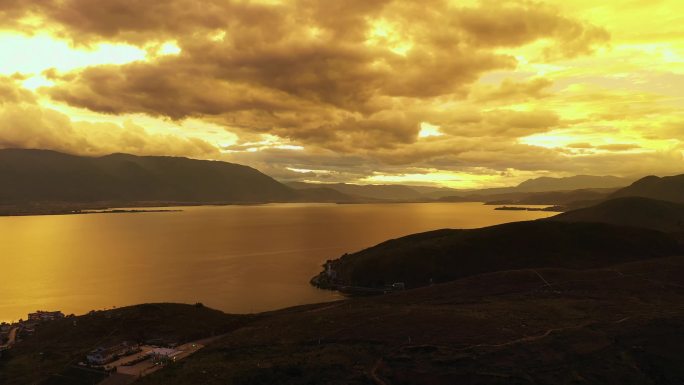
164 355
102 356
42 315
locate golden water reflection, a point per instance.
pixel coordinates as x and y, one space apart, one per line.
235 258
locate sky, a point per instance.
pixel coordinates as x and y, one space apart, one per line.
463 94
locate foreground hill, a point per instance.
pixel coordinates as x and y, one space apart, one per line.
445 255
631 211
619 324
48 354
48 176
542 302
669 188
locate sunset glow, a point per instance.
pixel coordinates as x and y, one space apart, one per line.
461 94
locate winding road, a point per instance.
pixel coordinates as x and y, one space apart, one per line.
12 338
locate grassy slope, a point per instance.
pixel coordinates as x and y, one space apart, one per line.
615 325
631 211
445 255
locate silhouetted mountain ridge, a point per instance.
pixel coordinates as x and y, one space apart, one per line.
577 182
536 198
669 188
41 175
370 191
631 211
545 191
446 255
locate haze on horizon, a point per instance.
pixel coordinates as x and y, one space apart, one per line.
462 93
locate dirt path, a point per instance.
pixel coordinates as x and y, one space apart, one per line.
527 339
374 373
12 338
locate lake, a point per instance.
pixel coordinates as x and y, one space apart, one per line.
239 259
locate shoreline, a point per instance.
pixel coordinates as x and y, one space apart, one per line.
86 211
108 208
147 207
555 209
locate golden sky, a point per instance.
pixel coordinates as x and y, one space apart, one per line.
461 93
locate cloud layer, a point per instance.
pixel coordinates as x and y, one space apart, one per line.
345 87
25 124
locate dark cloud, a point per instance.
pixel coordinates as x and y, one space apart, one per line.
25 124
512 91
498 123
335 75
350 81
580 145
85 21
497 23
618 147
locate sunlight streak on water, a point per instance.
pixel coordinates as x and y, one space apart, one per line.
238 259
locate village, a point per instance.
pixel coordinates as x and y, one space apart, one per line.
120 363
10 333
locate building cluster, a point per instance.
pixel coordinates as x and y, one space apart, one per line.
42 316
10 333
134 359
104 355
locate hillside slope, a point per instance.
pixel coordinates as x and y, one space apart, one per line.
445 255
669 188
631 211
48 176
617 325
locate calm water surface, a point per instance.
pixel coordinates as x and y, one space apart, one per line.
238 259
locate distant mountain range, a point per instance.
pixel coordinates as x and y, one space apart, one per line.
670 188
374 192
548 184
538 198
327 195
545 184
40 175
34 176
544 190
